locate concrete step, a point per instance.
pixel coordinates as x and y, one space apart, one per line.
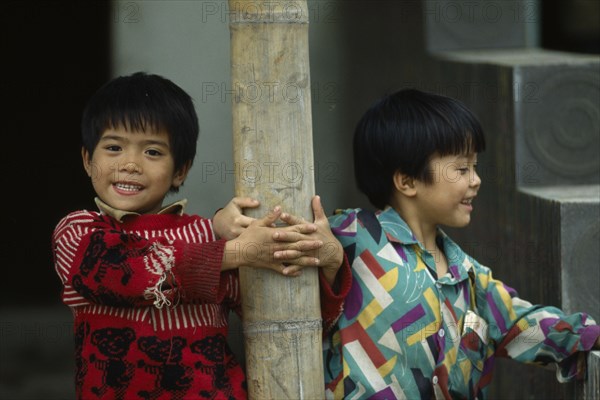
540 109
574 214
458 25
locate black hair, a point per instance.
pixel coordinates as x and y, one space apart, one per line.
402 131
140 101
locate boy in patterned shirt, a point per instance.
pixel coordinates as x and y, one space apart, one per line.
151 287
423 319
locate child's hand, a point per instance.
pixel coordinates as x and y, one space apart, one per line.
257 243
330 255
229 222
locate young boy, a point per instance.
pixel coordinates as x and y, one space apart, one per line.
423 319
149 286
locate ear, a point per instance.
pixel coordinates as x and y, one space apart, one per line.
181 174
87 161
404 184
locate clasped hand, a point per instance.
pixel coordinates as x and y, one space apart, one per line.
286 249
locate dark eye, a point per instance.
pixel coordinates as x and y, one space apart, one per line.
154 153
113 147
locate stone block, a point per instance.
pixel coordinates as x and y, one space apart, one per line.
458 25
579 241
591 388
539 109
557 120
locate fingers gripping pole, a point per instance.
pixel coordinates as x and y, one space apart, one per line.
272 136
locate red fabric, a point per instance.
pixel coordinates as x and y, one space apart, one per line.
151 305
144 296
332 299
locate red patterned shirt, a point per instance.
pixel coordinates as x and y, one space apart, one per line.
151 305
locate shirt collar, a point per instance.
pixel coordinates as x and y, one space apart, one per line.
397 230
173 208
394 226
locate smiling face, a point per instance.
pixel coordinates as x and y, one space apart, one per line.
447 200
133 171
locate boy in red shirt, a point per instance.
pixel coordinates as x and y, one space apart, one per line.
151 287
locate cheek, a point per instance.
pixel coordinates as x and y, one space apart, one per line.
166 176
460 187
103 167
95 170
452 176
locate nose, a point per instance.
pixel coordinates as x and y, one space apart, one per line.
475 180
131 168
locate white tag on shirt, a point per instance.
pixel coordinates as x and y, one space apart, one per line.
477 324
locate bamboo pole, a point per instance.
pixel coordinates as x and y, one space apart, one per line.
272 138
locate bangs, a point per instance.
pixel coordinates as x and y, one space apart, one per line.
135 109
452 130
131 121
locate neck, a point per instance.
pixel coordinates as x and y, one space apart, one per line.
424 231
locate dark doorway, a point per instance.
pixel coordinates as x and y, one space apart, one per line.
55 54
572 26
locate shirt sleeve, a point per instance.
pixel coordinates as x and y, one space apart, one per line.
332 297
533 333
342 225
100 264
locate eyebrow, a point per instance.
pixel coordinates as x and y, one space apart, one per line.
124 139
465 158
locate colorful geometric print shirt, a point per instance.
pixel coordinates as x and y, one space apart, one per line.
405 333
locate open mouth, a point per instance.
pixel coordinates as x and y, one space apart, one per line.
127 187
467 202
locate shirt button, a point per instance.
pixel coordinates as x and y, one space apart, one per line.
435 380
439 285
441 332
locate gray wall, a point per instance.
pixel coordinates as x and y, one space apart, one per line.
188 42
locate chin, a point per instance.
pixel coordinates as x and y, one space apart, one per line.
461 224
129 208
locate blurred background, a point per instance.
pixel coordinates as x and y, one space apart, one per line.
57 53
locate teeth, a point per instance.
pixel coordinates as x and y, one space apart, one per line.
467 201
128 188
